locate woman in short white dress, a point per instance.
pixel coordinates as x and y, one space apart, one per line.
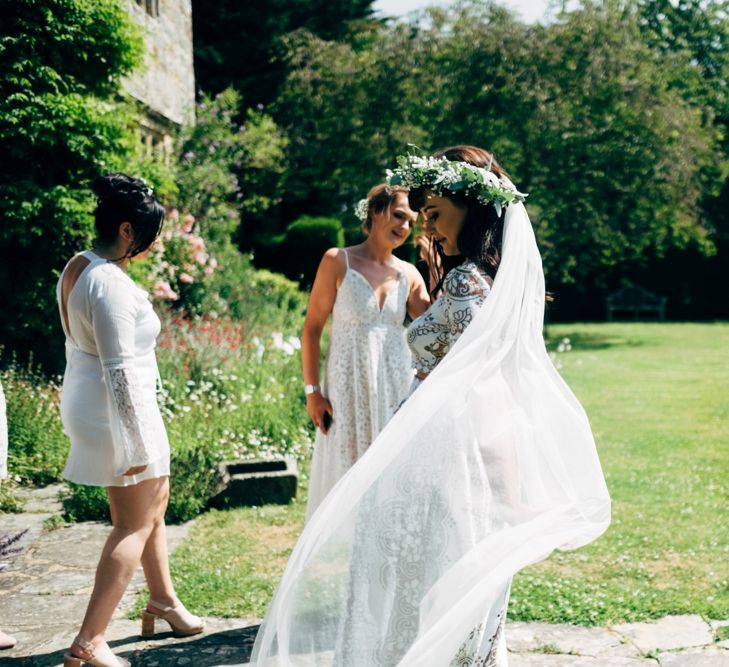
368 292
110 413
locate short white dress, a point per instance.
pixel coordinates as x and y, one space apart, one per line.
367 376
109 398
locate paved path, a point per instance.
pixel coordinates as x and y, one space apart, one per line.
44 592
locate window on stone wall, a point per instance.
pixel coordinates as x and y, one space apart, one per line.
150 6
157 143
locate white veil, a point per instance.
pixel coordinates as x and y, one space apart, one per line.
488 467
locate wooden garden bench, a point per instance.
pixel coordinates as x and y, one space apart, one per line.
635 303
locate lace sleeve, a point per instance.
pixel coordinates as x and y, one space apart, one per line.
428 338
134 430
464 291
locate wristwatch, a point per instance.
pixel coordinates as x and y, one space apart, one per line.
311 388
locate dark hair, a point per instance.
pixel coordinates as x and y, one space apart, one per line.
379 198
480 237
121 198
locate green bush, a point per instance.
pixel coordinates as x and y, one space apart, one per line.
303 245
265 301
38 446
60 126
85 503
193 480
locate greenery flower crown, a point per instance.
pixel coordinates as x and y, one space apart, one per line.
439 174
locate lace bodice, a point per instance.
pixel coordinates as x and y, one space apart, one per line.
431 335
110 318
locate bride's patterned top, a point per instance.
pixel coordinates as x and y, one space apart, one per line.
431 335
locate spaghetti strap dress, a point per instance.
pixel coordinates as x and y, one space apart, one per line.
368 372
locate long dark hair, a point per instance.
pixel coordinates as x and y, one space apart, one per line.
481 235
121 198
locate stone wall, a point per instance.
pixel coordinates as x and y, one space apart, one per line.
165 84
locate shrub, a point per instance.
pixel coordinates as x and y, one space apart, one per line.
85 503
60 126
303 245
265 301
38 446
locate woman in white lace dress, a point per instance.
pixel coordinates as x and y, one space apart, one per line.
487 467
109 411
368 292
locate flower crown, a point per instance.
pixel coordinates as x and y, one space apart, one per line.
361 209
439 174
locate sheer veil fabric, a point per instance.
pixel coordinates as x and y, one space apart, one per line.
488 467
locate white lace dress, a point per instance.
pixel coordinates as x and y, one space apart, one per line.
465 289
3 436
108 402
367 375
390 560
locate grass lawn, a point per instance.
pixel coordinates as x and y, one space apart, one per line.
658 400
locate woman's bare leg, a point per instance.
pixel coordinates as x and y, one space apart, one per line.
156 564
134 511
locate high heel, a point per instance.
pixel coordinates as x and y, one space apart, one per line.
182 622
99 656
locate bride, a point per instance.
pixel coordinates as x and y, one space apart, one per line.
487 467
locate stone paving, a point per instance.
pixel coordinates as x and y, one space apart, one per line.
44 591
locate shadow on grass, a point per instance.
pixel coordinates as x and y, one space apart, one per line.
227 647
589 341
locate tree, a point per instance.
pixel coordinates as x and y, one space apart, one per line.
238 43
582 112
60 66
226 167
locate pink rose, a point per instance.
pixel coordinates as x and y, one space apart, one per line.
196 243
186 278
162 290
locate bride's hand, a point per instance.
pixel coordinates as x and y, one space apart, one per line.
136 470
317 406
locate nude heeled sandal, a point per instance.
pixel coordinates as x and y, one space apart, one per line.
99 656
182 622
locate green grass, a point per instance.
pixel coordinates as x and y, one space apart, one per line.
658 400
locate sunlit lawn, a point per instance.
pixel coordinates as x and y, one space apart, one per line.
658 400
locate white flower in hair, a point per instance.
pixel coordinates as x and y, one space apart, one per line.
361 208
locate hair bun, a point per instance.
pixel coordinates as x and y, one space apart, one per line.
111 186
103 187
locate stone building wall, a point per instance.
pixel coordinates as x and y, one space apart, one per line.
165 84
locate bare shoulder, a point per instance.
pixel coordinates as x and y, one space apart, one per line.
332 263
411 272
